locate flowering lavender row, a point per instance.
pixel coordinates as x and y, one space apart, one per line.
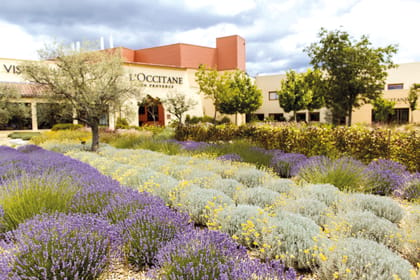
382 177
101 222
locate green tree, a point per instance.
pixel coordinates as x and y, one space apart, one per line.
413 97
92 82
178 103
300 91
383 109
212 84
242 95
354 71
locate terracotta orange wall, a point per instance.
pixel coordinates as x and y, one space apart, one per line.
165 55
127 54
193 56
230 53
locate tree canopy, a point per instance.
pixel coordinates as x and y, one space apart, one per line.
212 84
93 82
231 92
241 96
299 91
354 71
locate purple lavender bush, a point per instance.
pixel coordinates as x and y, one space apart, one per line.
385 177
287 165
126 201
411 189
205 254
230 157
60 246
146 230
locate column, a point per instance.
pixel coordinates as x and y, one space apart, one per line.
34 116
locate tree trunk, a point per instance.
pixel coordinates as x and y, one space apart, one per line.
95 137
349 111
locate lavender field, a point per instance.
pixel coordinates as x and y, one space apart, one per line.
60 218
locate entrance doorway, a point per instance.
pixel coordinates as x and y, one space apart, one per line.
151 112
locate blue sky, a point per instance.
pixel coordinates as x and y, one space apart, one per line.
276 31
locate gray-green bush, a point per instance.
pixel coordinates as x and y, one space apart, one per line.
356 259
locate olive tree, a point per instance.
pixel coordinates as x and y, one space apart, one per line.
92 82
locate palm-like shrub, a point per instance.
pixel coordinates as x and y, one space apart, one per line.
60 246
354 258
344 173
30 194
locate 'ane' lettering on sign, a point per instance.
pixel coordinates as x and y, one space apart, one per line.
157 79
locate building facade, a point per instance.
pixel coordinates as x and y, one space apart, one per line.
397 87
161 70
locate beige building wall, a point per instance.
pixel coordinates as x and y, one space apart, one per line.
269 84
154 79
401 78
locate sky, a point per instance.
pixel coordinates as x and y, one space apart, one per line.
276 31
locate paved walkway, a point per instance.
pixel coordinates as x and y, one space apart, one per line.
5 141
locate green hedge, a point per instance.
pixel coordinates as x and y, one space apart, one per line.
362 143
66 126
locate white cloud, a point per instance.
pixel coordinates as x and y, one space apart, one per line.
221 7
16 43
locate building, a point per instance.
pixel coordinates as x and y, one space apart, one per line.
397 87
271 110
161 70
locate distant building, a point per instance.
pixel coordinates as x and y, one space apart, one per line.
397 87
161 69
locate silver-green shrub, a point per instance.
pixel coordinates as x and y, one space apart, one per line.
243 222
198 201
310 208
325 193
410 226
292 238
366 225
228 186
280 185
251 177
381 206
356 259
257 196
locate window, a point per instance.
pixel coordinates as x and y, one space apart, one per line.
395 86
400 116
301 117
314 116
277 117
254 117
272 95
